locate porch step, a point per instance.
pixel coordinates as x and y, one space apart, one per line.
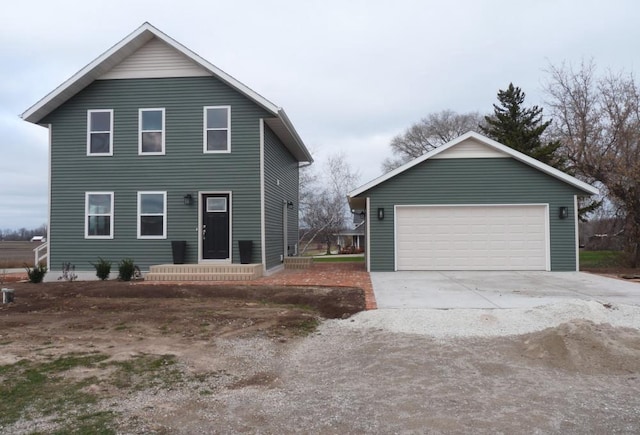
204 272
298 262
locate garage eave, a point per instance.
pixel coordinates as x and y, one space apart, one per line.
510 152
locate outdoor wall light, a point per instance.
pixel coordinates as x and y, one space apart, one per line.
380 213
188 199
290 205
563 212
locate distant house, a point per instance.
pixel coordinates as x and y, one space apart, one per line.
353 239
149 144
472 204
37 239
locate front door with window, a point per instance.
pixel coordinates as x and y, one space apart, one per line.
215 226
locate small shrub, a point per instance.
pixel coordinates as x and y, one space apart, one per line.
126 269
103 268
36 275
68 272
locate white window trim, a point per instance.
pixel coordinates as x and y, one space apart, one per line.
164 214
201 205
86 215
89 112
205 129
140 131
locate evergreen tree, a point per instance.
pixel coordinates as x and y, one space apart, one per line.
521 128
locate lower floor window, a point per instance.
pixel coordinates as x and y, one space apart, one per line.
152 213
99 215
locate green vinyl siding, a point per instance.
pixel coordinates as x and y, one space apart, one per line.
280 186
183 169
472 181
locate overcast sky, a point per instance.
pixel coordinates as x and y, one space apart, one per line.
350 74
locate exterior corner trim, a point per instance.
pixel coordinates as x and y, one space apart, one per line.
263 237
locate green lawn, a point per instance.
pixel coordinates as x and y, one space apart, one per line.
600 259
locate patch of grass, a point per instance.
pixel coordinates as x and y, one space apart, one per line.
336 259
29 389
600 259
146 371
306 326
98 423
35 390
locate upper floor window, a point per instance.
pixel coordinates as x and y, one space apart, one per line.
217 129
100 132
98 215
151 131
152 215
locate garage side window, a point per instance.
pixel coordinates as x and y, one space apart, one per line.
100 132
98 215
152 215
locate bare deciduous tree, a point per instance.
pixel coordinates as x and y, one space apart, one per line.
430 132
598 121
323 205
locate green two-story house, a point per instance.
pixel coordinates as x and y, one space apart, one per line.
151 144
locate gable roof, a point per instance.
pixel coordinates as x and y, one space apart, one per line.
280 124
509 152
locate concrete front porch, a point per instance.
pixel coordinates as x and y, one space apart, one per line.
204 272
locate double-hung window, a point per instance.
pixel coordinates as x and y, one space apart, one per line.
217 129
100 132
151 131
98 215
152 215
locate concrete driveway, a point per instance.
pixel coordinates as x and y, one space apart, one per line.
453 289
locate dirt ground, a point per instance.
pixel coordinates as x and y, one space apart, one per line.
253 362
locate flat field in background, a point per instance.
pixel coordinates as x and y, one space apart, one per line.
15 254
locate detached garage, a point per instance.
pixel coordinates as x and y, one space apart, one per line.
472 204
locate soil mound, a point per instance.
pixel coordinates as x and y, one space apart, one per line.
585 347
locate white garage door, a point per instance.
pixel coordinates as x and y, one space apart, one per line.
502 237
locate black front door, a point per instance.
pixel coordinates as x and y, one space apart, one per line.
215 226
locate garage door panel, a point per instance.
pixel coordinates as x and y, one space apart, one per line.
509 237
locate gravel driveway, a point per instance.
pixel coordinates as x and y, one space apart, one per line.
570 367
455 371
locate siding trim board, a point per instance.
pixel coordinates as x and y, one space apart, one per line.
577 236
367 248
263 246
50 136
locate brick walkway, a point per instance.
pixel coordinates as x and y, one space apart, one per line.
319 274
326 274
